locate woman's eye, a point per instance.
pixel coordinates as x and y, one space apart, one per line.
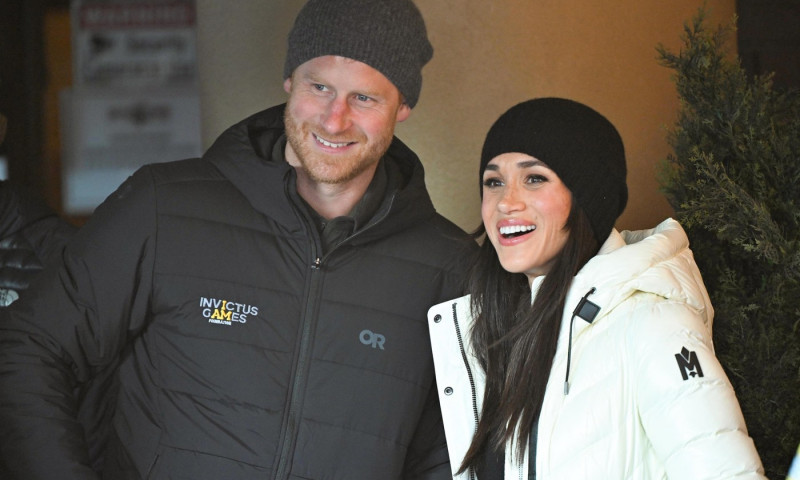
536 179
492 182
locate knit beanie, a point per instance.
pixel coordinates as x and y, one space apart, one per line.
387 35
576 142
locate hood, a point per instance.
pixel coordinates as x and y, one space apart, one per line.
656 261
243 154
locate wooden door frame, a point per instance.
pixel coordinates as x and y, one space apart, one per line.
23 77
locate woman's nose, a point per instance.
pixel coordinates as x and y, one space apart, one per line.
511 201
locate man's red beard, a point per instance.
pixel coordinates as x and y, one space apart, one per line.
333 168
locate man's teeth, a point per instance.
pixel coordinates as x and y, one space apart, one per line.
516 229
331 144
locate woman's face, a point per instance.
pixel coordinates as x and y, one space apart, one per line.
525 208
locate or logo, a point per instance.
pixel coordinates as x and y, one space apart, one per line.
376 340
688 364
226 312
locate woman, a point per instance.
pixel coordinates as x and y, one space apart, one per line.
581 352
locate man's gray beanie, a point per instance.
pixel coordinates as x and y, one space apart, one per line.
387 35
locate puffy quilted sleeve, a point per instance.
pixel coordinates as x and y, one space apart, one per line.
686 403
73 322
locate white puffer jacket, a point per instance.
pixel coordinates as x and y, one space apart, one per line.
647 398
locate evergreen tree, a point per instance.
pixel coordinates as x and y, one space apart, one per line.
734 181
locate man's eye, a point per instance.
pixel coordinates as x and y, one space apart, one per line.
363 98
319 86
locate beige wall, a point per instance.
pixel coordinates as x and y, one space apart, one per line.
489 55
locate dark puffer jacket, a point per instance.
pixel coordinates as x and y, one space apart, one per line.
244 353
31 237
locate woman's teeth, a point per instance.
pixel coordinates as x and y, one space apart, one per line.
516 229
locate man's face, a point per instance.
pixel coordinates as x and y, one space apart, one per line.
340 119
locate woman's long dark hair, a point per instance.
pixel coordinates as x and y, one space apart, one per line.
515 341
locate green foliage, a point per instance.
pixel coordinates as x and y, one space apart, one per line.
734 182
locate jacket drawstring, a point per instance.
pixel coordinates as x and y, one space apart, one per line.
587 311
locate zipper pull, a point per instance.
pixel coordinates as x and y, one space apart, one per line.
316 264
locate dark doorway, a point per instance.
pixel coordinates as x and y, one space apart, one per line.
769 39
26 27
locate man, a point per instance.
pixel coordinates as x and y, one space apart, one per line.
31 236
266 303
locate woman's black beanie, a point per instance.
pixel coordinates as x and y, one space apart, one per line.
576 142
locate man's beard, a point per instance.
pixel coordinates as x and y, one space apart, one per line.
334 169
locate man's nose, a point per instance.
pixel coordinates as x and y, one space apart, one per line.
337 116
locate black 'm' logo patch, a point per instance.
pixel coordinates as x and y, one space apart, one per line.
688 364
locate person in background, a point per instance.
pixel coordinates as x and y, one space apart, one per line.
263 306
580 352
32 236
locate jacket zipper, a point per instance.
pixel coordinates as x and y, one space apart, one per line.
475 413
297 392
383 214
463 351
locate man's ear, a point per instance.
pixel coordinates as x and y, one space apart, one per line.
287 84
403 112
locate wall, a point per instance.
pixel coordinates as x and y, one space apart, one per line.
488 56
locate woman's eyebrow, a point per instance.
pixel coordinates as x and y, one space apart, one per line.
523 164
531 163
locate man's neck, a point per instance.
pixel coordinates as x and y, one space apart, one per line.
333 200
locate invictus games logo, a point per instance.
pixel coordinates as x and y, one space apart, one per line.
226 312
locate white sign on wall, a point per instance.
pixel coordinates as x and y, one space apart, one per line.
130 44
135 99
109 135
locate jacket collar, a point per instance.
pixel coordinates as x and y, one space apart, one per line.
656 260
243 154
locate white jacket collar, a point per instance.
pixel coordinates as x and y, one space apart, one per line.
657 261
